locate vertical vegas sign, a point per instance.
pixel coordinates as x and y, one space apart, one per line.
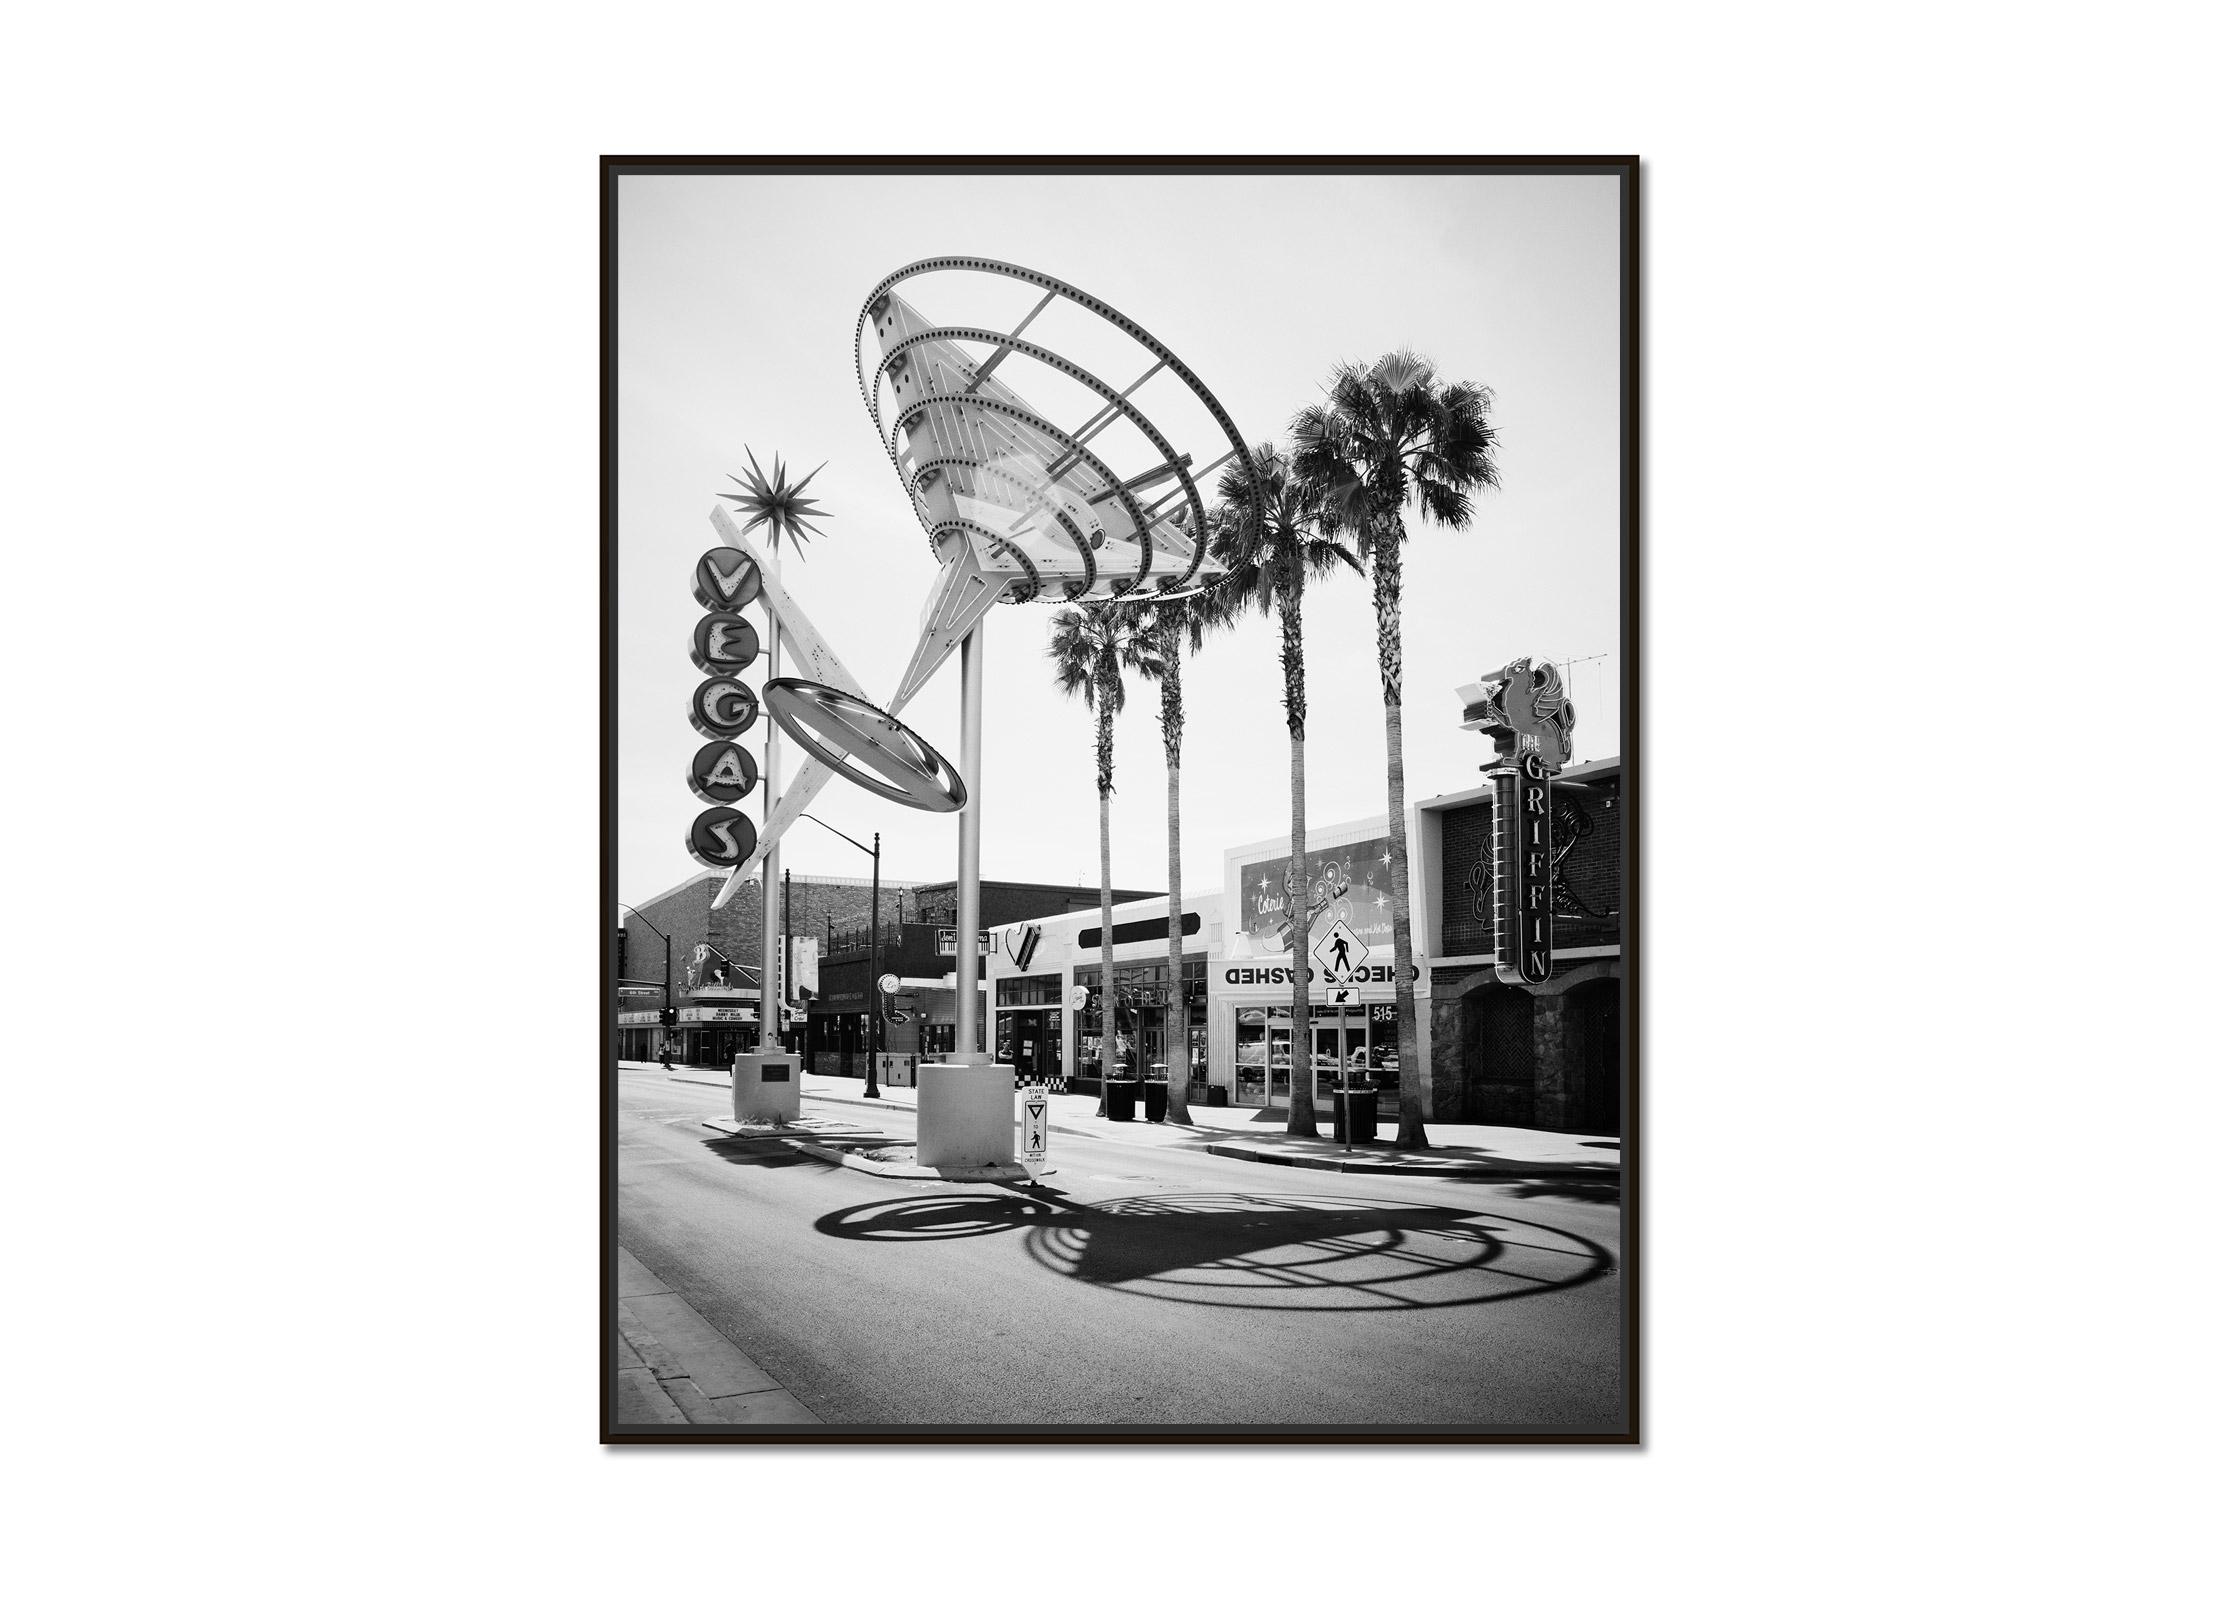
723 643
1524 710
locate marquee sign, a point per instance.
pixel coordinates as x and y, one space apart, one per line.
1524 710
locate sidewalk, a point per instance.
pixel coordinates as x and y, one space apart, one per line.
1253 1133
673 1367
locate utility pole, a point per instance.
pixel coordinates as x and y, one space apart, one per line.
877 998
668 1006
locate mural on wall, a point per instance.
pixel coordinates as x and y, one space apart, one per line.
1571 824
1352 881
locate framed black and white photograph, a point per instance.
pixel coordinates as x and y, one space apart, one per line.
1121 837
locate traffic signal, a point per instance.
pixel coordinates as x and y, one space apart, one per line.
668 1016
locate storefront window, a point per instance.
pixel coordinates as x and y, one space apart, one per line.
1031 1042
1046 989
1383 1062
1145 1043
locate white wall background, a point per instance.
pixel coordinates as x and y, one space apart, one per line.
302 416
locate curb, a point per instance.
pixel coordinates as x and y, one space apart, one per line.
676 1368
1284 1158
1009 1173
1490 1165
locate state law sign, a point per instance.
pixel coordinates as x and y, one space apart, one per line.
1034 1131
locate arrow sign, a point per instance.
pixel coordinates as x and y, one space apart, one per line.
1338 951
1345 997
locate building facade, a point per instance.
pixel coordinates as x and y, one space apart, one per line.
1045 995
1545 1055
675 950
851 1016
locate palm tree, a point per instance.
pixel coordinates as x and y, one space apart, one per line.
1094 650
1170 629
1388 433
1273 542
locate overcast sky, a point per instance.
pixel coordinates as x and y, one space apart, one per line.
738 296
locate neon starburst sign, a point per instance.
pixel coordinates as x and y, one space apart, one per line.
773 504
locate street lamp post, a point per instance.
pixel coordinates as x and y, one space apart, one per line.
667 964
877 998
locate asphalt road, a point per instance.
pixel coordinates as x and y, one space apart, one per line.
1139 1285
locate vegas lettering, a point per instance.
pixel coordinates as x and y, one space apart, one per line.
723 643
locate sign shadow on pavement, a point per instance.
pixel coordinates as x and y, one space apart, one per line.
1274 1252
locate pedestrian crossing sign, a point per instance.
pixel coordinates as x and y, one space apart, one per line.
1034 1130
1338 952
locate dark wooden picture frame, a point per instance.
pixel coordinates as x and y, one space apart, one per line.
1621 1263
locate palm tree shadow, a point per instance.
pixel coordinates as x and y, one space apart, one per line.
1594 1184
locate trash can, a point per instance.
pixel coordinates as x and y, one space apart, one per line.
1217 1094
1154 1101
1354 1110
1120 1099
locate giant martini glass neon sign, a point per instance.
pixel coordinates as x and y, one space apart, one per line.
1017 504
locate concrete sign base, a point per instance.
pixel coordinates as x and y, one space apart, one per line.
965 1112
765 1086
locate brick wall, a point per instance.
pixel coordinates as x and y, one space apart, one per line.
685 913
1590 870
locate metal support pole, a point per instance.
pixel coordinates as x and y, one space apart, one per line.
877 995
668 967
772 965
1345 1072
968 848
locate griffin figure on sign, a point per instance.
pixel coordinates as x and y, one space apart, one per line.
1524 710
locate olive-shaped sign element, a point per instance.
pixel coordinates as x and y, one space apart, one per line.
864 744
722 773
720 837
724 643
722 707
724 579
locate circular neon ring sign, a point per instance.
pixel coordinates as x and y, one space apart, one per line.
840 730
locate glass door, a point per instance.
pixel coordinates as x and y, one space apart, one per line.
1339 1041
1151 1044
1252 1056
1279 1055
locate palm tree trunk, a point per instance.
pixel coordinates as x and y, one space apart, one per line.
1178 1005
1104 894
1414 1082
1300 1120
